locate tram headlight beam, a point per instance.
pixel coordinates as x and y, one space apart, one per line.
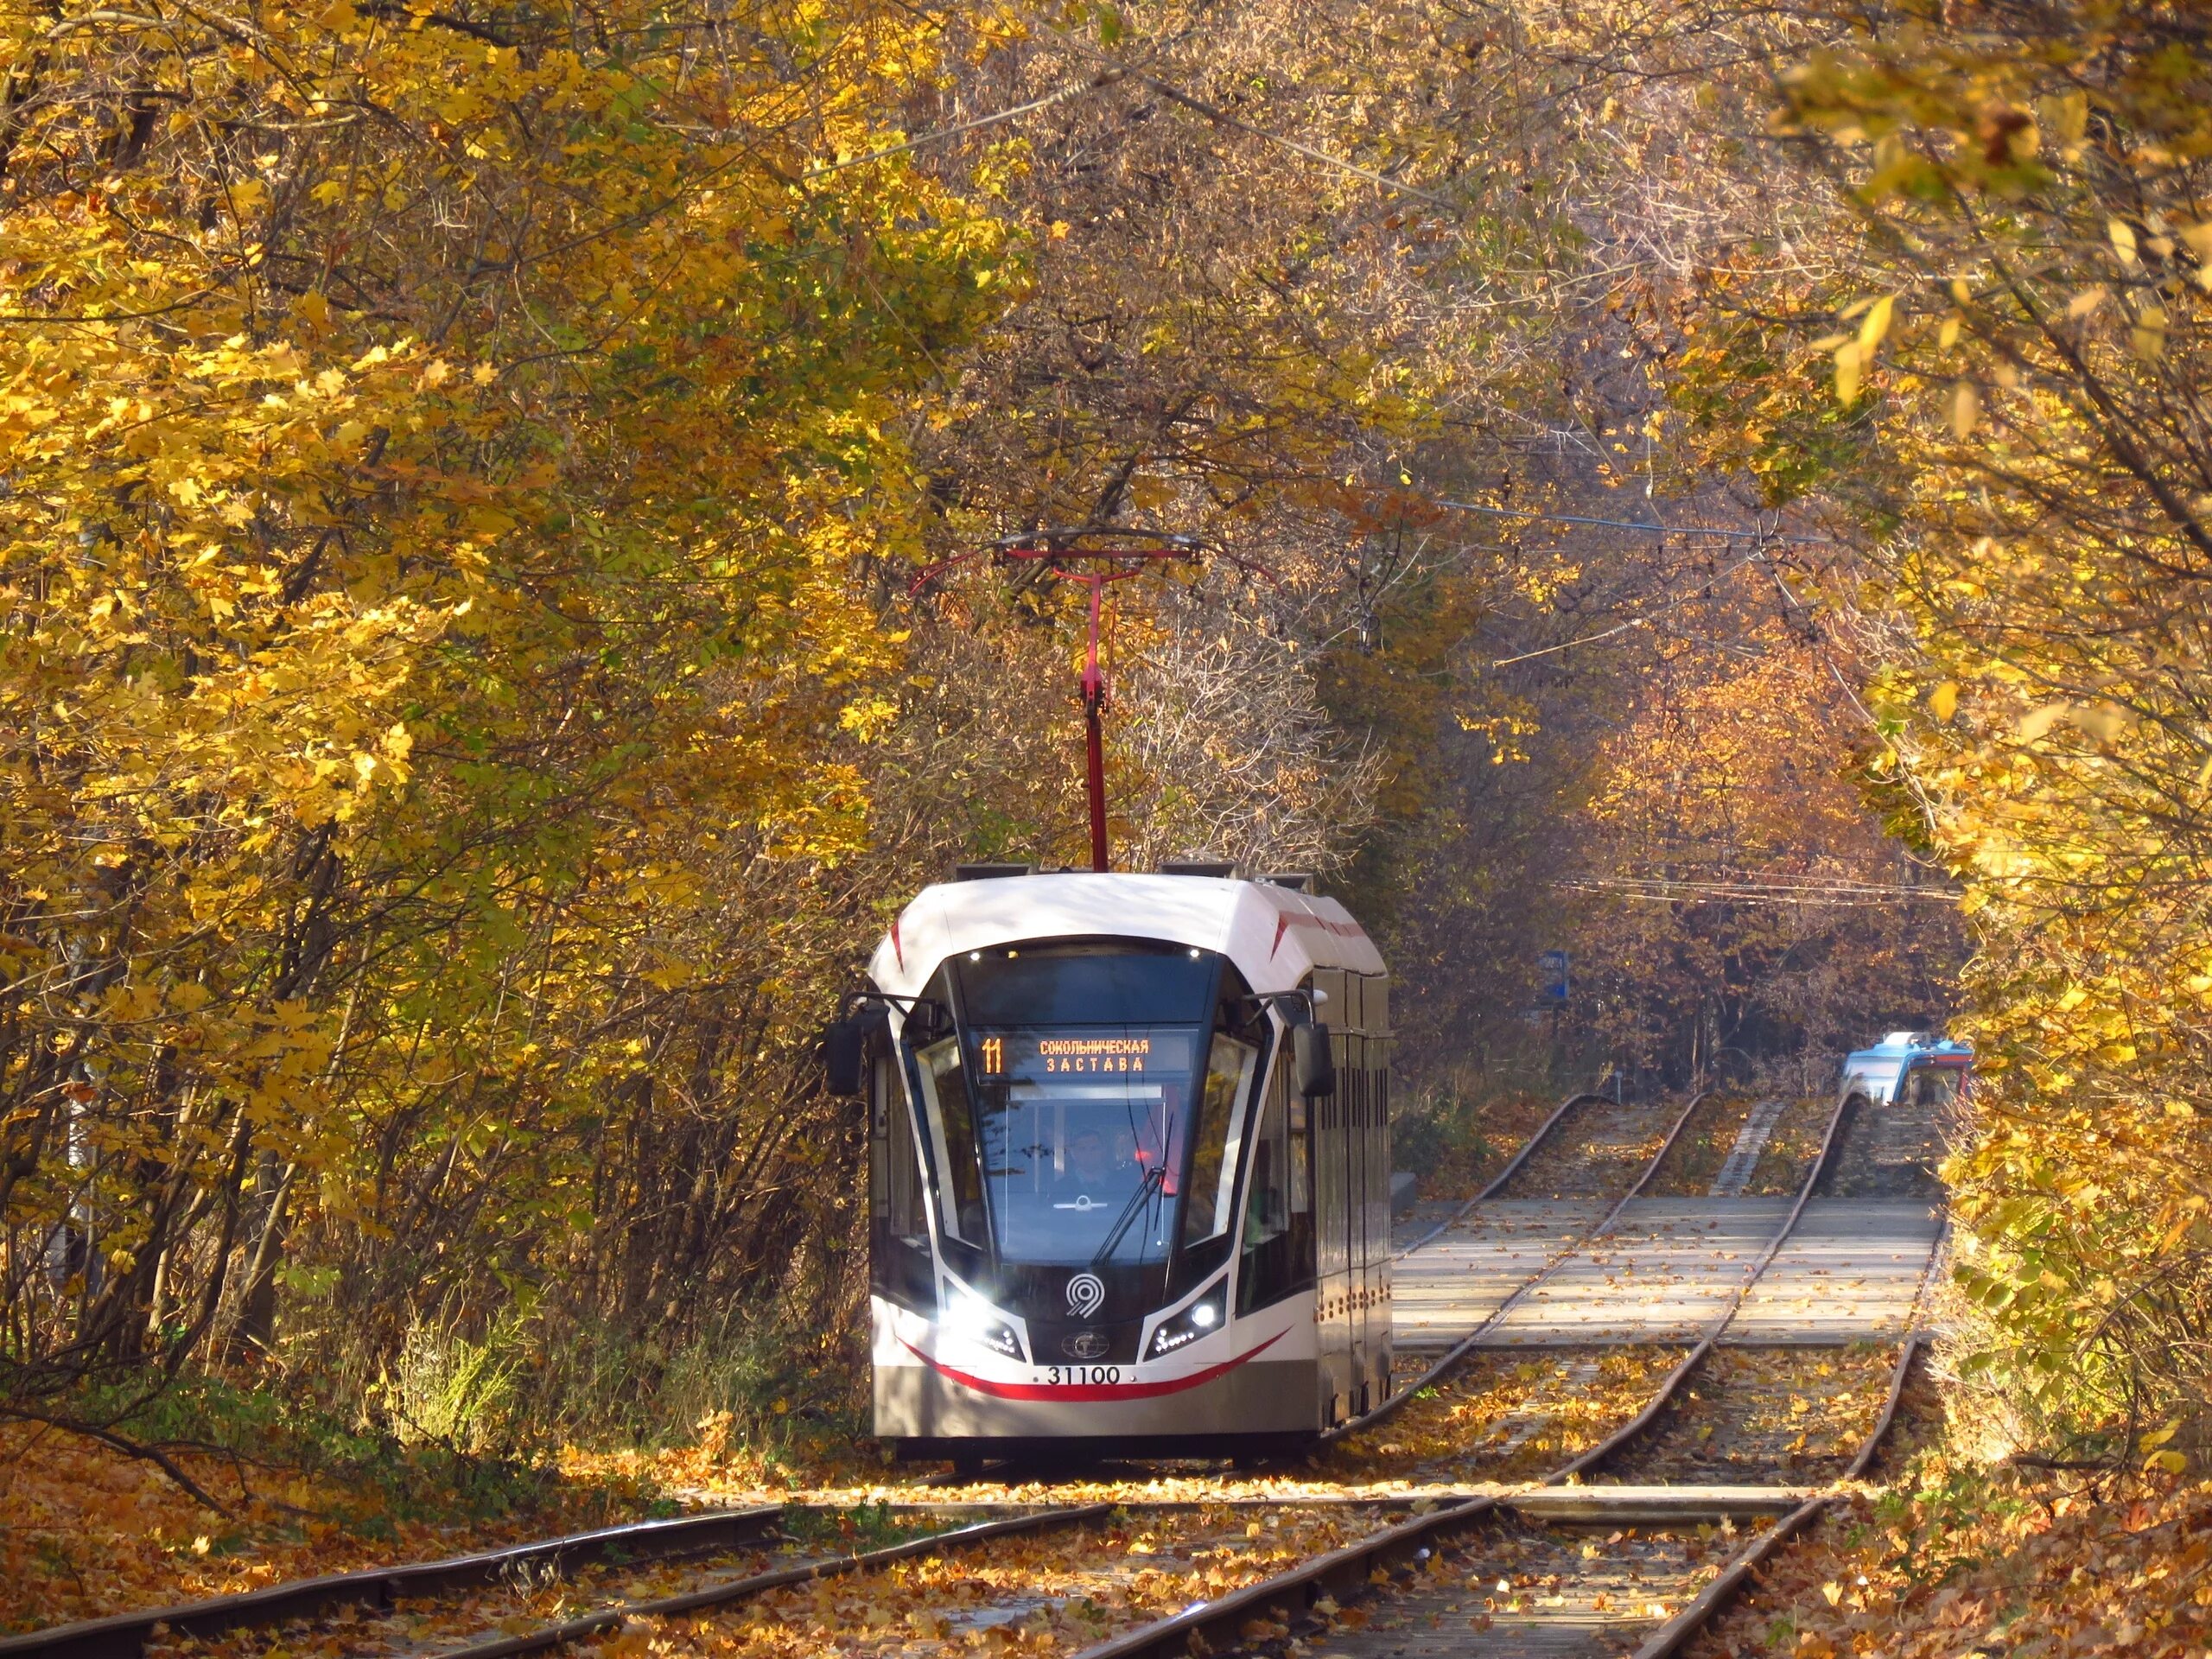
972 1318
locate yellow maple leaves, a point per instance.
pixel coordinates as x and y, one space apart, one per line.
2047 517
433 450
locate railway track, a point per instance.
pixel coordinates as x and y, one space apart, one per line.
1543 1162
1652 1521
1607 1543
123 1636
731 1554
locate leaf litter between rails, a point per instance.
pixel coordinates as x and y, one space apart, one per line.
530 1599
1766 1415
1596 1151
1036 1593
1502 1416
1510 1588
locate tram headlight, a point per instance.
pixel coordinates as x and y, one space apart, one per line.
1202 1318
971 1317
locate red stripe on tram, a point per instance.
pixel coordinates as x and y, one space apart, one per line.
1087 1392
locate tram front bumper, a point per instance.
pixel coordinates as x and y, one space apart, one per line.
1272 1398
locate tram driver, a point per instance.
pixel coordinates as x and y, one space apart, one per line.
1088 1170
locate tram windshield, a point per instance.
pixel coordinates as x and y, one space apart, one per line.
1086 1113
1931 1087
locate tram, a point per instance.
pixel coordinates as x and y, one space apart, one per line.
1128 1165
1915 1069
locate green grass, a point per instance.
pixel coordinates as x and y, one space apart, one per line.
268 1430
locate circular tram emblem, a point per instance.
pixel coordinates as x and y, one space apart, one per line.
1086 1294
1084 1345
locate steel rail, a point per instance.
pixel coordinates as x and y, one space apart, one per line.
1763 1500
611 1618
1459 1349
1497 1181
1633 1430
123 1636
1218 1625
1670 1637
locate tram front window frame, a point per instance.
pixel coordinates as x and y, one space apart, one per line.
1158 1051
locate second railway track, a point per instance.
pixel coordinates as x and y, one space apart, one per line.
1641 1530
1654 1507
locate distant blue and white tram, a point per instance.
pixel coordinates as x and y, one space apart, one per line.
1120 1200
1910 1069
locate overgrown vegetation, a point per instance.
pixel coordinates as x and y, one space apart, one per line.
1719 491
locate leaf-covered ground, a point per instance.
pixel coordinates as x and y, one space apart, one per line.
1501 1417
1957 1558
1757 1415
1505 1417
1968 1563
1702 1147
90 1531
1787 1156
525 1602
1596 1151
1054 1593
1512 1589
530 1599
1457 1163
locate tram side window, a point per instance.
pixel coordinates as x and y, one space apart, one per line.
900 1246
1278 1211
1219 1139
952 1130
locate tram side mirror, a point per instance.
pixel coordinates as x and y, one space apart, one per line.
844 1044
1317 1066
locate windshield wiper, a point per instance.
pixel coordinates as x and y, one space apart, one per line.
1154 1177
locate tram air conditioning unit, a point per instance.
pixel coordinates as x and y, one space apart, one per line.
1129 1171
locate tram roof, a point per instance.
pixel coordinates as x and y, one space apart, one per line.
1914 1048
1276 935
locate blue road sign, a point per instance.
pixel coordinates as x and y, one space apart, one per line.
1553 981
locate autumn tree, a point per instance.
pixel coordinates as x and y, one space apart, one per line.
1966 329
440 446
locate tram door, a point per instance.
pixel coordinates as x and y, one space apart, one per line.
1335 1210
1375 1138
1351 1093
1351 1174
1353 1090
1360 1070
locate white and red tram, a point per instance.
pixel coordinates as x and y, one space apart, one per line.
1129 1156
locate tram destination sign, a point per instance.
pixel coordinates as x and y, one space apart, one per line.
1080 1051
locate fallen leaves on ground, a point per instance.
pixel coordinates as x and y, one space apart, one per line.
91 1532
1596 1151
1702 1147
527 1601
1977 1561
1504 1416
1054 1592
1457 1171
1787 1158
533 1597
1754 1415
1535 1589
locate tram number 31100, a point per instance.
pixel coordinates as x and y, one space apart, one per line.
1058 1374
